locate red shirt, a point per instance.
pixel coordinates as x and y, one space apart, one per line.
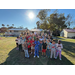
32 43
29 44
27 37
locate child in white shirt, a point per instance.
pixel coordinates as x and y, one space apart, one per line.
59 48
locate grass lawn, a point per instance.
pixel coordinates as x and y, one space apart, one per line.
10 56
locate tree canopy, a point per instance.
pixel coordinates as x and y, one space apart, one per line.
53 21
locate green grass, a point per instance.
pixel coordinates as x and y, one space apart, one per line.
10 56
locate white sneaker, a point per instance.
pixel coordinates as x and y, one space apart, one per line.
55 57
34 56
60 59
37 56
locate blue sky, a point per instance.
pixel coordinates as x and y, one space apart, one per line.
19 17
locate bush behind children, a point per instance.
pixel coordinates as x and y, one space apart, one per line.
35 43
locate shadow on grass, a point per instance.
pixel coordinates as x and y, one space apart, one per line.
69 48
17 58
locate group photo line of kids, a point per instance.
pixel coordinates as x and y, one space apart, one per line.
39 43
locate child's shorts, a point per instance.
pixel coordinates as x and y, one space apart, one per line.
17 44
32 47
44 50
29 49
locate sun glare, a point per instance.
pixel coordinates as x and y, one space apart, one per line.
31 15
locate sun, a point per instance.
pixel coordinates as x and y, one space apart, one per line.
31 15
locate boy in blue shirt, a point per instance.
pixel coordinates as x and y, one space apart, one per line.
37 43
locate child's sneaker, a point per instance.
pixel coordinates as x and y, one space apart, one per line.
37 56
60 59
34 52
34 56
55 57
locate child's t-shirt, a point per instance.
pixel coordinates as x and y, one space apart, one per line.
29 44
26 46
32 43
48 45
59 46
44 45
23 41
34 38
53 47
16 40
37 43
41 40
19 41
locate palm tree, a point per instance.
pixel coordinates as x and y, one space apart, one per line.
7 25
12 24
3 25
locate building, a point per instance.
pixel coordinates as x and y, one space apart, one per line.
68 33
36 31
15 32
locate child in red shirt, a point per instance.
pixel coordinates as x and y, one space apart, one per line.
29 45
32 45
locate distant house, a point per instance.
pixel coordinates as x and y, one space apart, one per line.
68 33
15 32
36 30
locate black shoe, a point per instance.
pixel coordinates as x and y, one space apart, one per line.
28 57
44 56
50 58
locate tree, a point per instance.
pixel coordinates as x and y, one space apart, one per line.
43 14
38 24
69 20
55 22
3 29
3 25
34 28
12 25
7 25
73 27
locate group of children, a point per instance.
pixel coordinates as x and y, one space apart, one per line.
34 43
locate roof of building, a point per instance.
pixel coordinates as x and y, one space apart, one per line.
36 29
70 30
17 29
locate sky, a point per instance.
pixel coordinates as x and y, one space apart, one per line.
20 17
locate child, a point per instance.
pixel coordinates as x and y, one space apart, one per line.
59 47
37 43
40 46
23 43
32 45
48 49
20 36
53 49
26 50
44 48
17 43
29 45
20 44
